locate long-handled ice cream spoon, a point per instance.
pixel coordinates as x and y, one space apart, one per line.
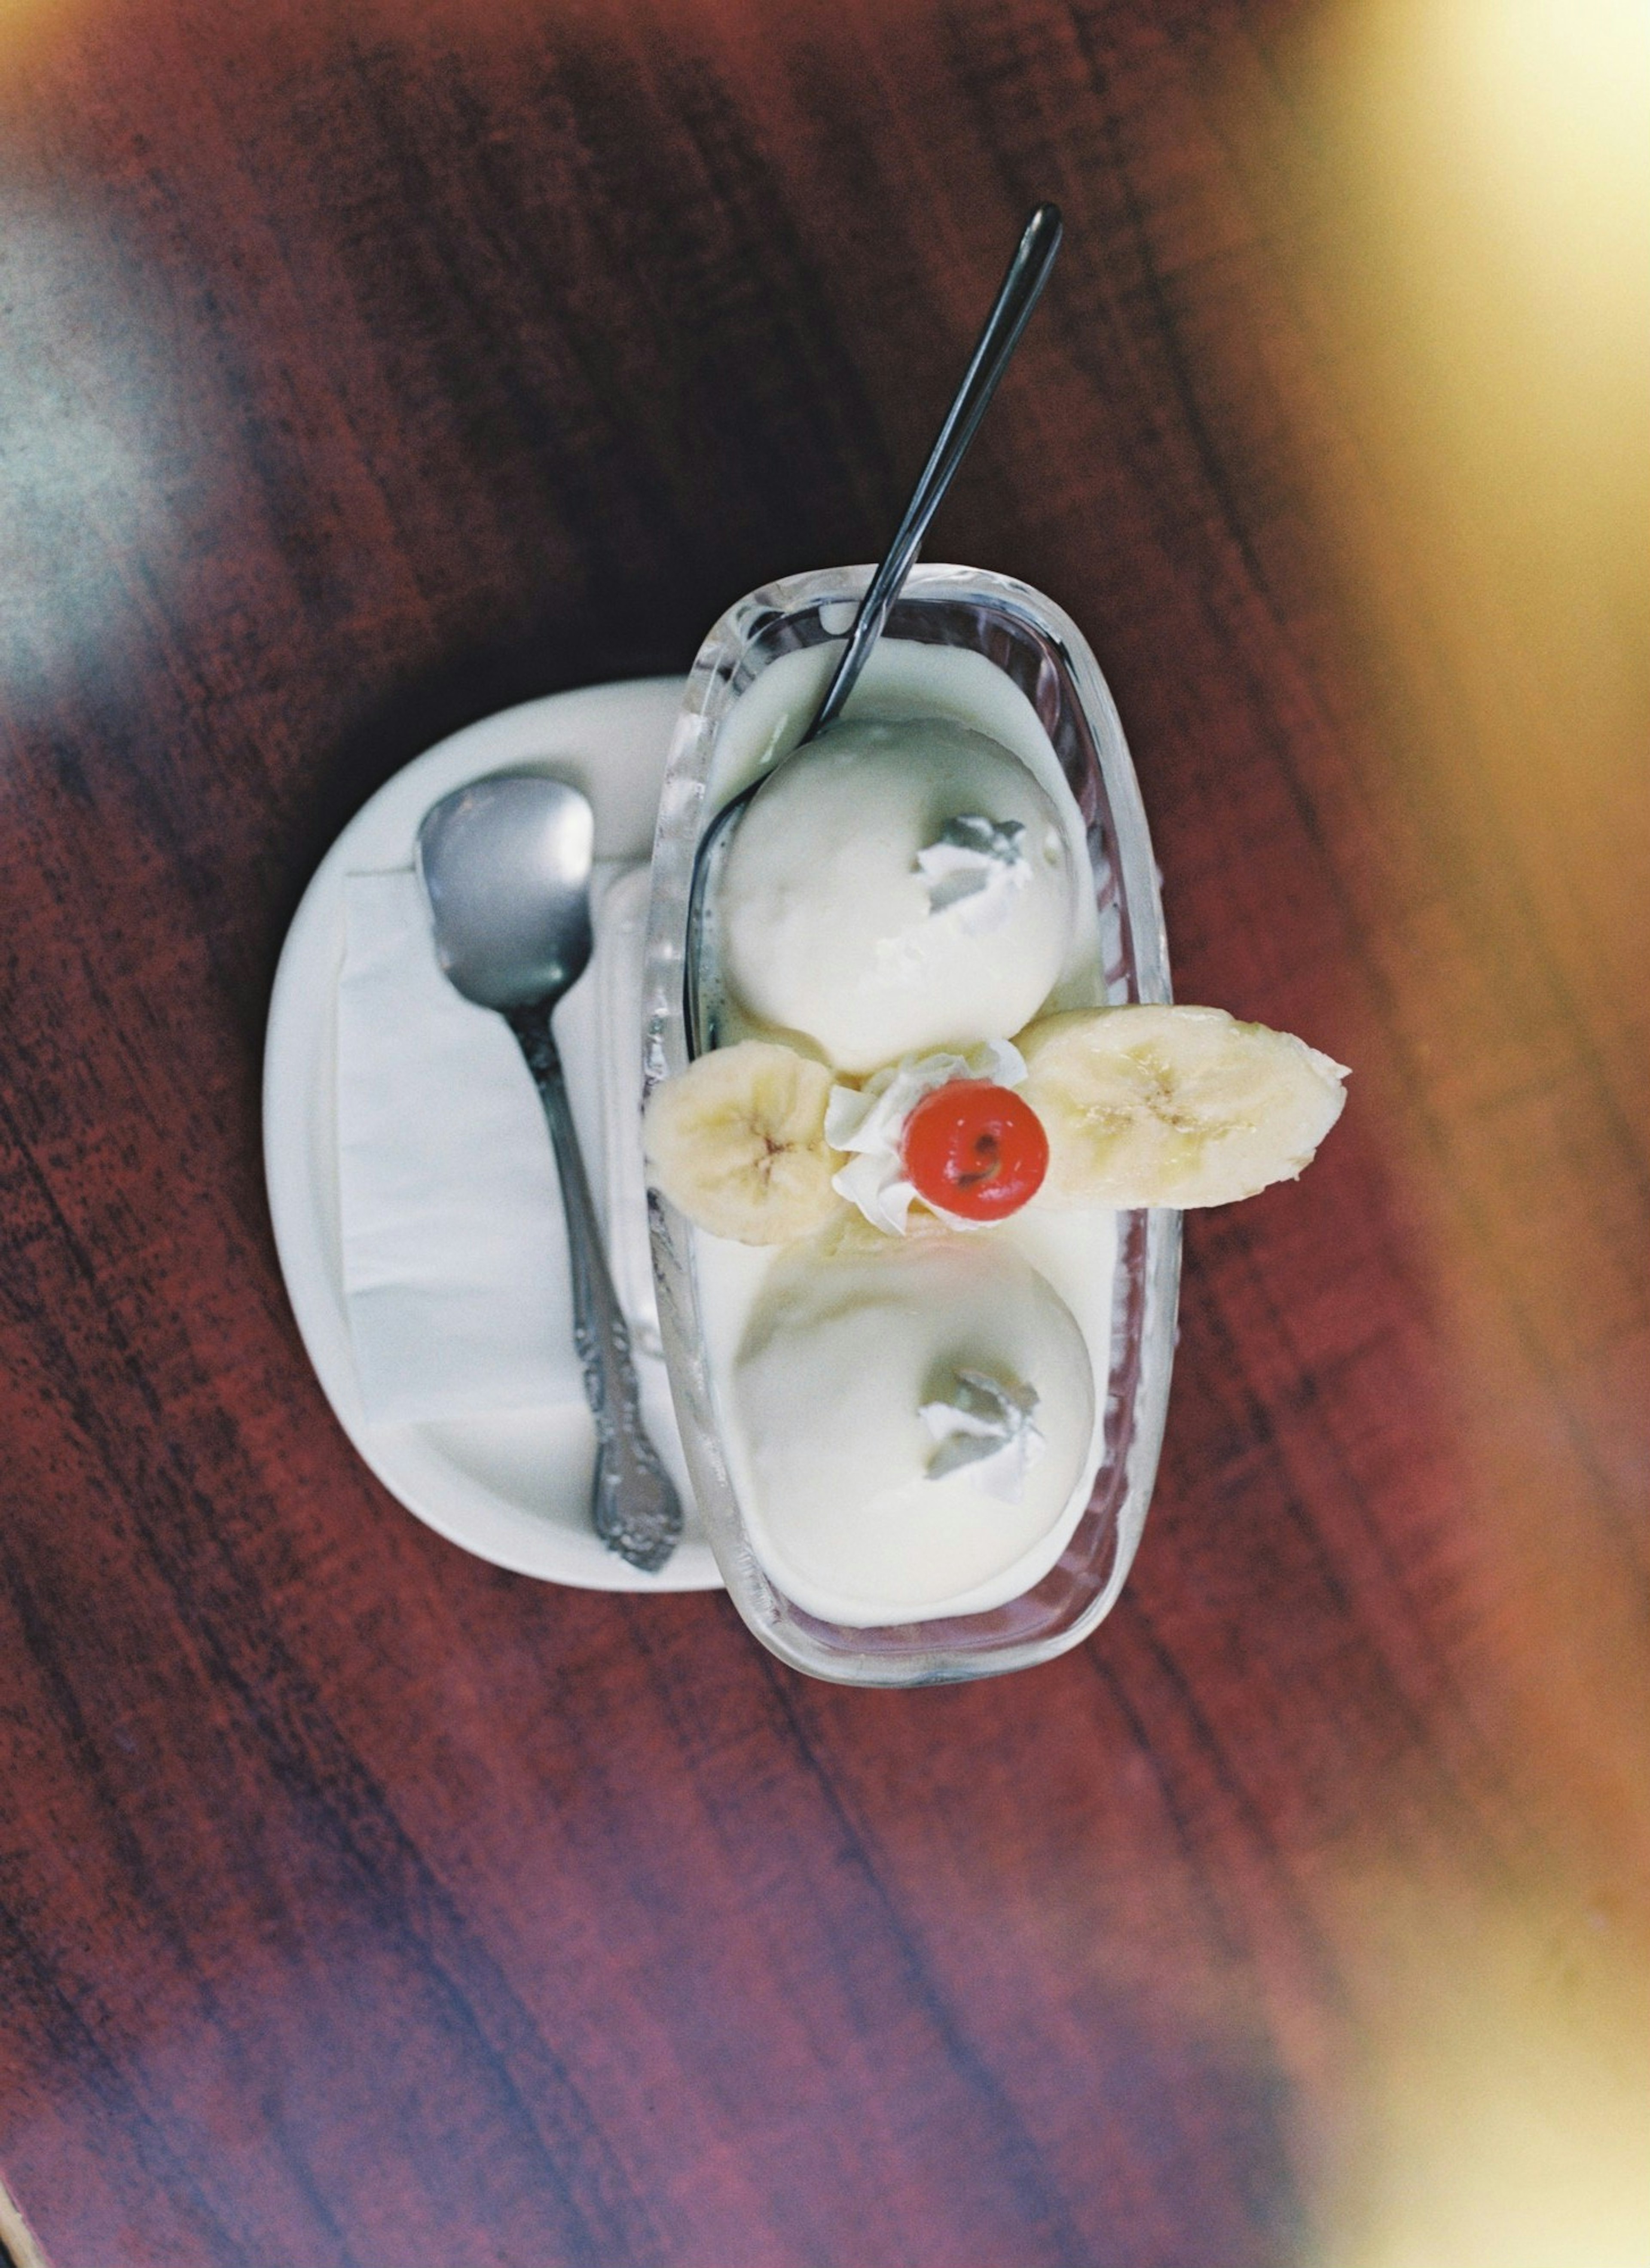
1021 288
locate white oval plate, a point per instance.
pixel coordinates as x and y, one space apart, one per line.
514 1490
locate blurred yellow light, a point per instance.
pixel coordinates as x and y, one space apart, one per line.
1460 193
1554 110
1500 153
1469 191
1505 2111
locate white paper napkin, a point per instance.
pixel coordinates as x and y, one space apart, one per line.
455 1252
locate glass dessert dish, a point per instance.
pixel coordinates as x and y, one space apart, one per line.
1041 652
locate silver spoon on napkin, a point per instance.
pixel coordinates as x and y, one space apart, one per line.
505 866
1020 289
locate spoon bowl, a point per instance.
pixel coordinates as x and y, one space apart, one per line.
505 866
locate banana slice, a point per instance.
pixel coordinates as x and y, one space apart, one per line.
1174 1105
736 1143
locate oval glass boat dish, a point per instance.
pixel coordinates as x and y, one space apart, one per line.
1041 652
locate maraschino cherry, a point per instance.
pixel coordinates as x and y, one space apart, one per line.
975 1150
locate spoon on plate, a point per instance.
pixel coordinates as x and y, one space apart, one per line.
1020 289
505 866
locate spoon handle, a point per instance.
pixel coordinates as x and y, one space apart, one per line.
633 1505
1021 289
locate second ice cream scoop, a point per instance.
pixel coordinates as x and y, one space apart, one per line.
915 1423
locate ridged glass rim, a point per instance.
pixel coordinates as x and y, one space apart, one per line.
751 634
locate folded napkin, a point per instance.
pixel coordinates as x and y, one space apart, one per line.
455 1271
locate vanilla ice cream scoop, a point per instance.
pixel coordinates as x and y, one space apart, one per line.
916 1423
898 885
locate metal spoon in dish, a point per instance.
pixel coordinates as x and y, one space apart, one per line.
1021 288
505 866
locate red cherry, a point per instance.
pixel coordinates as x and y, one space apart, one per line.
975 1150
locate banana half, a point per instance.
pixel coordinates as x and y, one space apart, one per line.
1175 1106
736 1143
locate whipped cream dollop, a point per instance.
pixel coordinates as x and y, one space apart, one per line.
987 1424
868 1122
975 868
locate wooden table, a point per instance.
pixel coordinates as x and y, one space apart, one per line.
368 368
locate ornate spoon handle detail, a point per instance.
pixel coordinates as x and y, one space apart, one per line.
634 1506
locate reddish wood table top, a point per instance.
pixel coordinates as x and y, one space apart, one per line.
366 369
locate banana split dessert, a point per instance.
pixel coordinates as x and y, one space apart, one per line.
905 1151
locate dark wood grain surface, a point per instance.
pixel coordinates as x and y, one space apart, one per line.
364 368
